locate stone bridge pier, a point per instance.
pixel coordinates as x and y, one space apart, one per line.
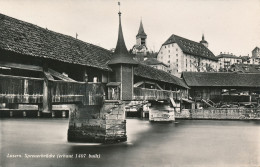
98 123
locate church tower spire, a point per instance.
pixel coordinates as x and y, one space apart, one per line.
141 36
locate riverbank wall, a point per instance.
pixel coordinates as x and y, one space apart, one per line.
219 113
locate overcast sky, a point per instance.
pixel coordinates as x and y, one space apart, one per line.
229 25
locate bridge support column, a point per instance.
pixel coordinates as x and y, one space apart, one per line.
98 124
161 112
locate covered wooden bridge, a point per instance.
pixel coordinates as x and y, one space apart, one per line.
42 67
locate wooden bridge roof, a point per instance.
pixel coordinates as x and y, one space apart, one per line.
221 79
146 71
29 39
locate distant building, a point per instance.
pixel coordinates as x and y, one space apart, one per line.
245 68
225 60
153 62
256 52
140 48
250 60
182 54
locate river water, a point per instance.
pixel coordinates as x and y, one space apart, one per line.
198 143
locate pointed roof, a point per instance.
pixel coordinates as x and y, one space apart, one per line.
121 55
203 39
141 30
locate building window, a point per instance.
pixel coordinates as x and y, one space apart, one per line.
176 60
177 65
176 49
165 46
176 54
169 61
169 51
169 56
172 45
161 52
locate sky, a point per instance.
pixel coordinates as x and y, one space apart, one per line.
231 26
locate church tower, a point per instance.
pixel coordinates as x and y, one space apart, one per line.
140 49
203 41
141 36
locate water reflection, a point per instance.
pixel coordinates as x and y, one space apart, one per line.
187 143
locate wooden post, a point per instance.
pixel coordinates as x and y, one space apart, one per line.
47 97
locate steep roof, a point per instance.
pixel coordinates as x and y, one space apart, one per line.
121 55
141 30
191 47
28 39
154 61
256 48
221 79
148 72
246 68
228 56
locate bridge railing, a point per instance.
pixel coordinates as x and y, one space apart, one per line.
154 94
66 92
17 89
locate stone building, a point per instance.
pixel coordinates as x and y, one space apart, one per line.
225 60
182 54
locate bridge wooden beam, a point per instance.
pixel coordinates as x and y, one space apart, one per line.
21 66
59 75
47 97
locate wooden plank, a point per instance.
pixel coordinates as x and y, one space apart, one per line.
60 76
20 66
48 75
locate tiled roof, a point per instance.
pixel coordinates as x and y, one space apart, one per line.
221 79
28 39
191 47
153 61
148 72
228 56
246 68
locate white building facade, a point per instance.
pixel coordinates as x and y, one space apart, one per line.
181 54
225 60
